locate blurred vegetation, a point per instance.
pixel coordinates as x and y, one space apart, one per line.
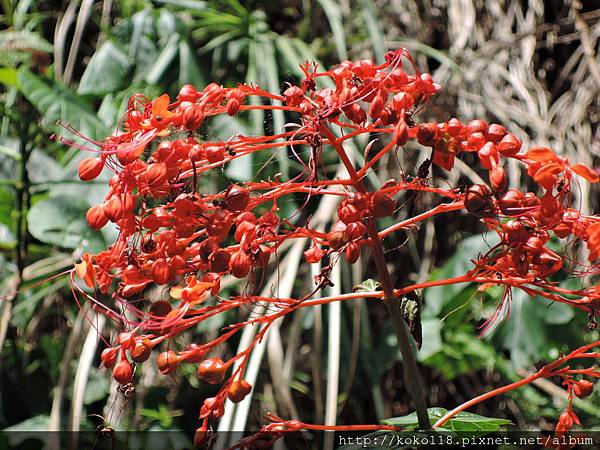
524 64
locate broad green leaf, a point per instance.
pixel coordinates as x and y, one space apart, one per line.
27 303
17 46
189 70
43 168
61 221
467 250
164 60
461 422
462 352
34 428
529 331
106 72
432 338
8 76
56 102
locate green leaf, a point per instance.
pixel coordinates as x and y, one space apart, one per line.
8 76
526 333
197 5
334 16
18 46
461 422
462 352
106 72
368 285
42 167
460 262
34 428
61 221
56 102
164 60
189 71
432 338
369 12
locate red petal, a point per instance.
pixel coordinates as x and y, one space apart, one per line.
541 154
585 172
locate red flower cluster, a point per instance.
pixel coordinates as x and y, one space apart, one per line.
170 234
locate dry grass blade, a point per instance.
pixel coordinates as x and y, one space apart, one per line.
63 378
333 357
86 359
82 19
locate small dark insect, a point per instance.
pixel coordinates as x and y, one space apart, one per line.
414 109
229 149
423 170
357 81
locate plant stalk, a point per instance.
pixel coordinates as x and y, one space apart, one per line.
412 376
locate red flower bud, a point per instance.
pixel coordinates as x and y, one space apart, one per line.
509 145
188 93
238 390
141 350
235 101
123 372
352 252
426 133
354 230
95 217
293 95
401 134
402 101
156 173
193 117
348 213
109 356
236 198
583 388
161 272
495 133
90 168
454 127
478 201
113 208
247 229
219 260
376 106
219 223
477 126
488 155
355 113
498 179
240 264
475 141
212 370
212 406
167 362
215 154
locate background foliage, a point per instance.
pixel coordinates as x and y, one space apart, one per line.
528 65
